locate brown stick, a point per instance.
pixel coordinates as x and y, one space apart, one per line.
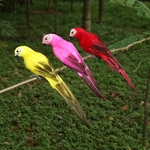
16 85
146 111
64 67
130 45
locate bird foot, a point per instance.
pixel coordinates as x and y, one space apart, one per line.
37 76
93 56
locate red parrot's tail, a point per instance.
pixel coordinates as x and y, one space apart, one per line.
124 74
104 53
116 66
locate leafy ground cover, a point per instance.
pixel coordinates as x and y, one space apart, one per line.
35 116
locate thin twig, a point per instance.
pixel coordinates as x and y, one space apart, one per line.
33 79
146 111
16 85
130 45
64 67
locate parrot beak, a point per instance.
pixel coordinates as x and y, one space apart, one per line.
44 44
71 37
16 56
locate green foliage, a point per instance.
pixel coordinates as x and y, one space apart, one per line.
34 116
126 41
6 29
1 3
142 9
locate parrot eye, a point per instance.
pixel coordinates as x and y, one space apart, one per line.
73 32
47 38
18 51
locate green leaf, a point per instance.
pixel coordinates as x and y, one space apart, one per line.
147 14
126 41
140 11
143 5
121 2
130 2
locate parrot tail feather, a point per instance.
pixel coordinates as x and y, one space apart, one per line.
92 86
65 92
124 74
116 66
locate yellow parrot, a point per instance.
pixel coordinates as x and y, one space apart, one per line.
39 64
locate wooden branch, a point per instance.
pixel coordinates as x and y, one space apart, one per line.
35 78
130 45
64 67
16 85
145 122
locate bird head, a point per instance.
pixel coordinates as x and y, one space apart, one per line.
76 32
21 51
73 33
18 51
47 38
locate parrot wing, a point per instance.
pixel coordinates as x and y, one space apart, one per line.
84 73
81 68
103 52
44 70
59 85
72 62
38 63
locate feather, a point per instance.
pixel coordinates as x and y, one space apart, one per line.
90 43
66 52
38 64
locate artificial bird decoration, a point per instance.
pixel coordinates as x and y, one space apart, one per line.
66 52
92 44
39 64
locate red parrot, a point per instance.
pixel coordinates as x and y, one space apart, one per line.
91 43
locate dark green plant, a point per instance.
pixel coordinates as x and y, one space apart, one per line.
35 117
1 3
142 9
6 29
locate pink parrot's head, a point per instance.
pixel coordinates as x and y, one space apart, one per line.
50 39
76 32
47 38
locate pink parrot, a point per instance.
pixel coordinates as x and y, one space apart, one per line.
90 43
66 52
